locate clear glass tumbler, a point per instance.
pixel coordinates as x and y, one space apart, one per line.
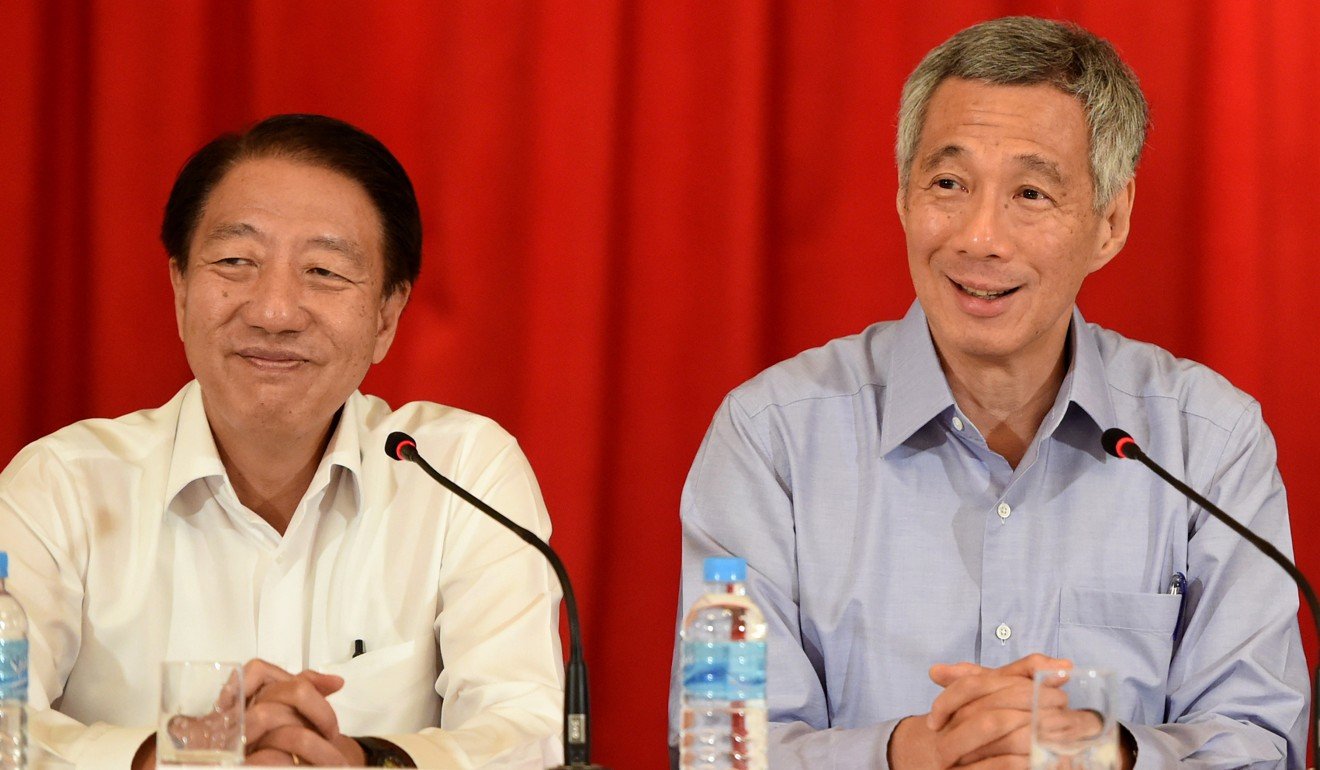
1072 720
201 714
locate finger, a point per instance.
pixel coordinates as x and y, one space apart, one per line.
967 690
268 758
228 696
966 685
945 674
1017 694
1016 742
326 684
1001 763
263 717
301 695
258 673
978 731
306 745
1032 663
1067 725
999 723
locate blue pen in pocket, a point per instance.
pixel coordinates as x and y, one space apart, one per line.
1178 587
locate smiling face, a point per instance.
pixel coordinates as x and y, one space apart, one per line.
281 310
1001 227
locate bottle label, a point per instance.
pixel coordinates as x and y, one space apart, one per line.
724 670
13 669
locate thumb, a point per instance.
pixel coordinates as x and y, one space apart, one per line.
324 683
945 674
1034 662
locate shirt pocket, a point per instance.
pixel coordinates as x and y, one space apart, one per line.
388 690
1130 634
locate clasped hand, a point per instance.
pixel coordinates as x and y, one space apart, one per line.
289 720
981 719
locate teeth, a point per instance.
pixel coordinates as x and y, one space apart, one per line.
983 294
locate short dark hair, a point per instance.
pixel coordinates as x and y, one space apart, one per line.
319 141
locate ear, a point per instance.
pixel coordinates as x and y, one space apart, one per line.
1115 223
179 282
900 203
388 321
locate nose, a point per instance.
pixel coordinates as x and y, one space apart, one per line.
275 304
981 228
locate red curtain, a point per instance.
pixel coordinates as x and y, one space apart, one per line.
630 208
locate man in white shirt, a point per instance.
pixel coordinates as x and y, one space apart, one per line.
256 517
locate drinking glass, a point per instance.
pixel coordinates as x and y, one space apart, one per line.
1072 720
201 714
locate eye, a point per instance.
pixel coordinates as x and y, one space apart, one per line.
1032 194
231 262
321 272
945 183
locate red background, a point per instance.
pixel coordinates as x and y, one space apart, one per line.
630 208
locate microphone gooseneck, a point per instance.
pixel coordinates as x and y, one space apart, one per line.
1119 443
577 722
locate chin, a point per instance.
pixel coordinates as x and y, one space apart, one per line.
973 346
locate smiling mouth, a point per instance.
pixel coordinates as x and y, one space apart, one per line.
271 359
987 294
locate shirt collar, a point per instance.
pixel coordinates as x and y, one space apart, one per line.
917 391
1086 384
196 457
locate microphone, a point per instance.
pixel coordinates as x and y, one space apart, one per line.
577 721
1119 443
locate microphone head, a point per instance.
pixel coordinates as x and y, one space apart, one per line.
1118 443
398 443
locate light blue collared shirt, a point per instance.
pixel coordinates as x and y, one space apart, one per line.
882 536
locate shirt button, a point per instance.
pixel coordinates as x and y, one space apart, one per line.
1003 632
957 423
1004 510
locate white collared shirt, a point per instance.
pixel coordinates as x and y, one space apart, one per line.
128 546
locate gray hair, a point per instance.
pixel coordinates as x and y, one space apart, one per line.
1023 50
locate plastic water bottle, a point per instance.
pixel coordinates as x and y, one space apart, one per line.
13 677
724 719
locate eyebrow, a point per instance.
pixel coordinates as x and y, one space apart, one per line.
232 230
1041 165
1031 161
343 246
227 231
944 153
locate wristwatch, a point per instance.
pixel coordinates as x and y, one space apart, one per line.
381 753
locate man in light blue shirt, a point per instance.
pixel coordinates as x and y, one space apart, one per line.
925 508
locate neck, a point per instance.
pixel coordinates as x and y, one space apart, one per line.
1007 400
271 473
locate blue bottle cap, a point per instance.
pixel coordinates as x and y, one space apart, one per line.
4 565
725 569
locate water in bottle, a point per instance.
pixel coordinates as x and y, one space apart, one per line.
13 677
724 719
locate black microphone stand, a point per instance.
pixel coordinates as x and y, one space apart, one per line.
1120 444
577 722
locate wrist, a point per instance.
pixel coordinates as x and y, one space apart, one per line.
1127 748
145 758
378 752
911 745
